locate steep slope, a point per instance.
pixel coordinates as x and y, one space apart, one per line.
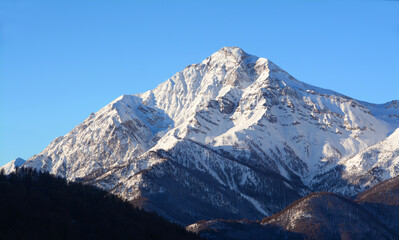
374 164
10 167
235 134
117 133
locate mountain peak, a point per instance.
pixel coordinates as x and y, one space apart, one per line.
230 54
236 51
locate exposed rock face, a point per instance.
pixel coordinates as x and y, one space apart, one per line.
234 136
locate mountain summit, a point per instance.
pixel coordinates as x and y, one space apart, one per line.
234 136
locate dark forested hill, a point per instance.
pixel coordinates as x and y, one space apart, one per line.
372 215
382 201
40 206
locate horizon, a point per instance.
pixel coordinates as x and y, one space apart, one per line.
59 62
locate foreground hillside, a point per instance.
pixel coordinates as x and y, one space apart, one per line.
383 202
373 215
40 206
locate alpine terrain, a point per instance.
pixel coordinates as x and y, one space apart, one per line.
10 167
232 137
371 215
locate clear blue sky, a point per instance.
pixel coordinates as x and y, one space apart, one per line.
62 60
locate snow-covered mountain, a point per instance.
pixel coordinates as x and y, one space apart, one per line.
234 136
11 166
375 163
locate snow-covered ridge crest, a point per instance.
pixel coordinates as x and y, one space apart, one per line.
11 166
374 164
234 127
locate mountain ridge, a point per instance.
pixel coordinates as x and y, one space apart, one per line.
11 166
222 126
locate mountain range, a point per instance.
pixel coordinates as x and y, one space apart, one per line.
232 137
